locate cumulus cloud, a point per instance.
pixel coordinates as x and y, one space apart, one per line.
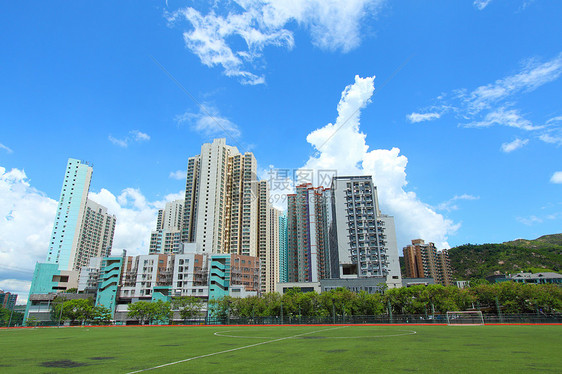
7 149
134 136
26 220
556 177
450 205
512 146
178 174
209 122
420 117
136 217
214 37
341 146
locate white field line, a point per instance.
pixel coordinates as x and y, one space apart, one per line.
404 332
234 349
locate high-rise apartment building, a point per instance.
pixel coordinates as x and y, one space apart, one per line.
96 236
283 250
362 239
167 236
82 228
221 207
307 234
423 260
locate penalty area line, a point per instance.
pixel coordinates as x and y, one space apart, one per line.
233 349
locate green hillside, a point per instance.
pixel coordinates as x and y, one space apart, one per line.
479 261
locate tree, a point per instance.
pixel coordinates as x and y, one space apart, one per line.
188 306
158 311
140 310
72 310
101 315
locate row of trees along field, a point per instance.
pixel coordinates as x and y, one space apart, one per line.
509 296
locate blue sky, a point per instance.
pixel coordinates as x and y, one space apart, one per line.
463 128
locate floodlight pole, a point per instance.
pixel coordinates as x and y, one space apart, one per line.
334 310
281 311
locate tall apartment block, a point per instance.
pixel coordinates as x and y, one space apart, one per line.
307 234
423 260
283 249
82 228
221 207
362 239
96 237
167 236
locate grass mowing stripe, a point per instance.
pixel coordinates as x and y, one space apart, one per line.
234 349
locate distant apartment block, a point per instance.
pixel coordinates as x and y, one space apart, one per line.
362 239
423 260
167 236
307 234
8 300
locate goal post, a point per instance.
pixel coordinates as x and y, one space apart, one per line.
465 318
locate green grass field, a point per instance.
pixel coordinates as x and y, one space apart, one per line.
285 349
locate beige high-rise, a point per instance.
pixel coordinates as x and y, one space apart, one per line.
221 207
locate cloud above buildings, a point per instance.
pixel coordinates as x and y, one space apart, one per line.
179 175
134 136
341 146
209 122
26 216
493 104
234 34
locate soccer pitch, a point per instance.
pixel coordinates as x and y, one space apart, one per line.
282 349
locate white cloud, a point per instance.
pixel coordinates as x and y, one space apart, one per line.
420 117
505 117
532 76
481 4
553 131
136 217
532 220
7 149
26 220
556 177
489 105
342 147
178 174
333 25
209 122
512 146
450 205
134 136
